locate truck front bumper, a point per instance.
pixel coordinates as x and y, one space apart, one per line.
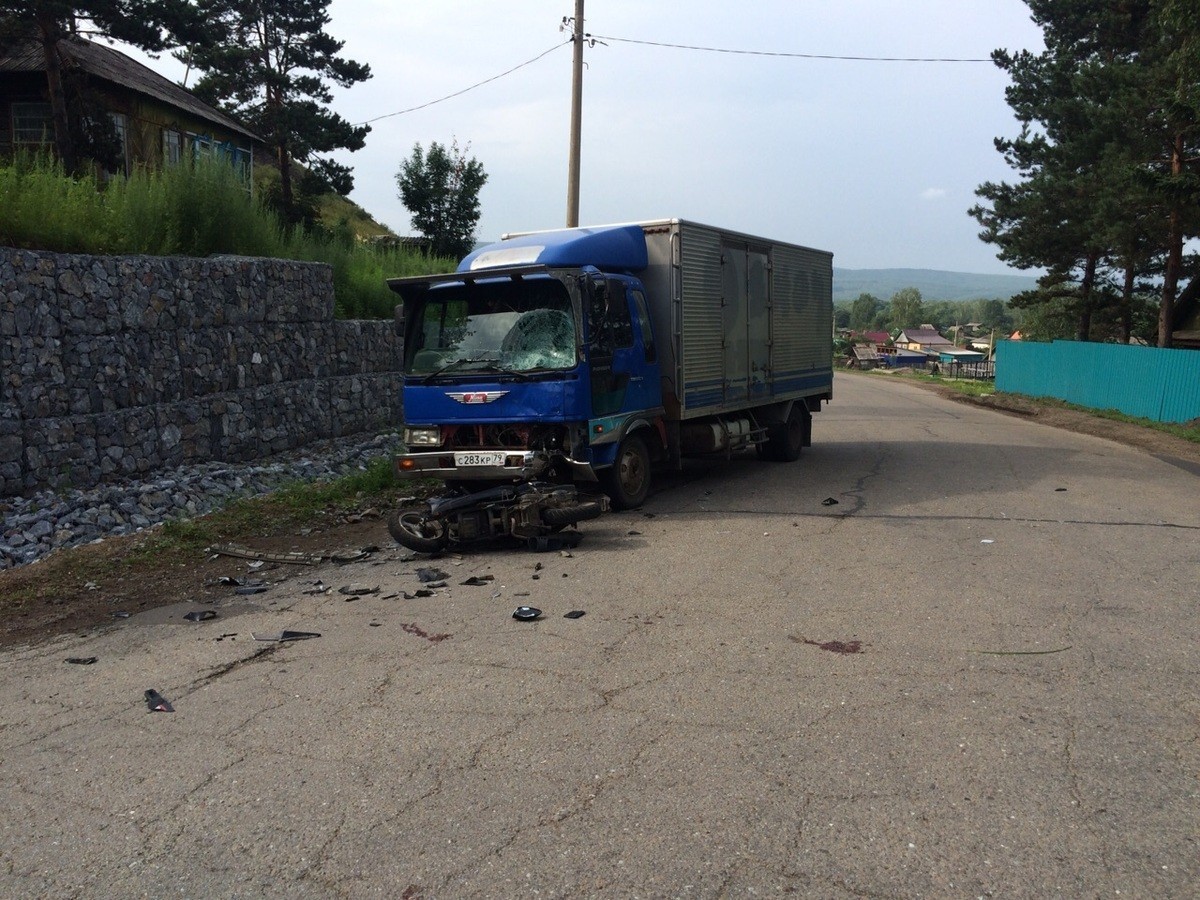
518 465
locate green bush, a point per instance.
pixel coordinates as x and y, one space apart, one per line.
196 210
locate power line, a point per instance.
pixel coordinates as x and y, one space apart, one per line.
466 89
601 37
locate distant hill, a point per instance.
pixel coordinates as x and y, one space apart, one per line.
933 284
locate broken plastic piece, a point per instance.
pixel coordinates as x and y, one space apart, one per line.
157 702
526 613
81 660
121 615
478 580
201 615
428 575
285 635
248 589
1057 490
574 614
987 541
419 592
829 501
358 590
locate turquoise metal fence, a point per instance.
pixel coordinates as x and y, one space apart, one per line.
1163 385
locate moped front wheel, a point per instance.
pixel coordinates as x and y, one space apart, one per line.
560 516
416 528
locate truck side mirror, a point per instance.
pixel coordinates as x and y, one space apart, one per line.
398 320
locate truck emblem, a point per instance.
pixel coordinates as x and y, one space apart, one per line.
475 396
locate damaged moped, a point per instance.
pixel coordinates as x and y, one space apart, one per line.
530 511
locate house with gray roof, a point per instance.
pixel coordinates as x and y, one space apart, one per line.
156 121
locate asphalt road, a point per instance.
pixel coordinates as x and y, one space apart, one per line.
1021 719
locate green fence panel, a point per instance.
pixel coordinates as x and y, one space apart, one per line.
1163 385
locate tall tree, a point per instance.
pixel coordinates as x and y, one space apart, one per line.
271 68
441 191
152 25
1110 116
906 307
862 311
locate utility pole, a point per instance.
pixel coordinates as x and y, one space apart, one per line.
576 120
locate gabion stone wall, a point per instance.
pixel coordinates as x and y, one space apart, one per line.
117 366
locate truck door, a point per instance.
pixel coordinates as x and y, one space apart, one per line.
758 321
733 322
622 356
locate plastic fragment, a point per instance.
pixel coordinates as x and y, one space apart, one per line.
358 590
526 613
420 592
247 589
121 615
201 615
632 533
829 501
81 660
574 614
157 702
987 541
478 580
285 635
427 575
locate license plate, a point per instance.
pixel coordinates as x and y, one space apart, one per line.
478 459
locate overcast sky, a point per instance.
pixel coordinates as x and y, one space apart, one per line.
876 161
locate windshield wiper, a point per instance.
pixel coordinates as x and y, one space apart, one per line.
487 366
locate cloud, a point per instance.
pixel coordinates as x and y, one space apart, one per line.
933 193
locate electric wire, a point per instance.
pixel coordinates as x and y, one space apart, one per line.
600 37
907 59
477 84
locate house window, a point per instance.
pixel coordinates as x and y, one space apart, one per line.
172 147
121 127
33 124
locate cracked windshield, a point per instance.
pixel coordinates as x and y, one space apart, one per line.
512 326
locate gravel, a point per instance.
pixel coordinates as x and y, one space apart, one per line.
48 521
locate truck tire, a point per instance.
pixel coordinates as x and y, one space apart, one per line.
628 481
414 528
785 441
560 516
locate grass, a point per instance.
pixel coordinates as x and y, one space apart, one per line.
196 210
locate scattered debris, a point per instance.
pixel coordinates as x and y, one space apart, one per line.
81 660
318 587
987 541
257 564
157 702
201 615
566 554
843 647
419 592
829 501
248 589
421 632
374 624
1059 490
284 635
231 635
478 580
358 590
301 559
91 585
526 613
633 533
428 575
389 596
121 615
574 614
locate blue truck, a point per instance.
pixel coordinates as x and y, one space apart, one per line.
597 354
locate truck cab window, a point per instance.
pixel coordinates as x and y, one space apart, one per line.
643 317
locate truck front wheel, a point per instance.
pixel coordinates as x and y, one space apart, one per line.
628 481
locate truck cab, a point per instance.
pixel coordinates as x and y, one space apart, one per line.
523 365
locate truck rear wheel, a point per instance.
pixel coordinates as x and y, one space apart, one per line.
785 441
628 481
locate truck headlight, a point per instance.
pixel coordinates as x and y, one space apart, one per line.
423 437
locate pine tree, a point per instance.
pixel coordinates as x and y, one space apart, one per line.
271 67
